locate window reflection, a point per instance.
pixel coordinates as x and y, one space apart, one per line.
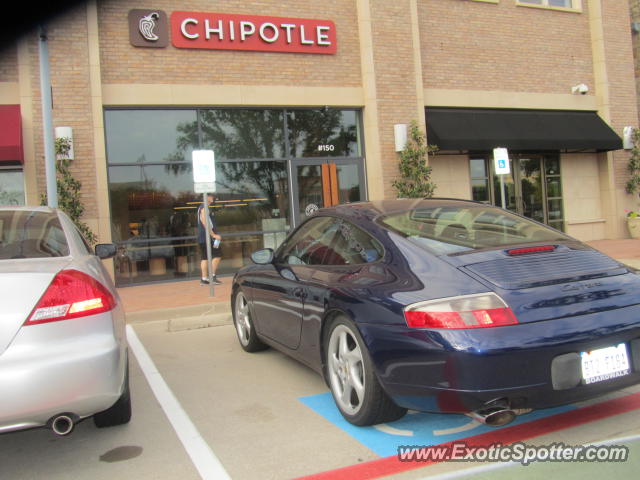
154 213
153 203
11 187
234 134
150 136
323 133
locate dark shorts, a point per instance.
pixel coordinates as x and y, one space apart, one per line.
215 252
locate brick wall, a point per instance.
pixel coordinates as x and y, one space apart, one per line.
465 45
620 71
504 47
69 71
395 78
123 63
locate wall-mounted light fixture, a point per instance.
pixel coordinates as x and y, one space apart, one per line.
627 137
400 136
66 132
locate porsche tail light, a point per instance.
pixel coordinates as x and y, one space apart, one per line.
71 294
469 311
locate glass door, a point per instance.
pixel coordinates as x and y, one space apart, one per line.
530 195
524 192
320 183
533 188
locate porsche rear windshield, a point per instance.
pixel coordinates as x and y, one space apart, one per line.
31 234
452 229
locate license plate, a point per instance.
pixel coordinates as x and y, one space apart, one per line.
605 363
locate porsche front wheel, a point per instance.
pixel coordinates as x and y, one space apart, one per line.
245 329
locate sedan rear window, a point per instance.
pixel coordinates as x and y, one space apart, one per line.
453 229
31 234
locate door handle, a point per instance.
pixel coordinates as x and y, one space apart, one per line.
299 293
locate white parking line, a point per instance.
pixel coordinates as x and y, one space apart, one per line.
201 454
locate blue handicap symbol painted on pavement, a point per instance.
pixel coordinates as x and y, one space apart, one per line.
415 428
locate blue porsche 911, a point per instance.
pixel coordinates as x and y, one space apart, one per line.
442 305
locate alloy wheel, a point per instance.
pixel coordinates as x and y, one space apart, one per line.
243 323
346 369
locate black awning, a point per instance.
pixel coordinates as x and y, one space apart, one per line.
537 130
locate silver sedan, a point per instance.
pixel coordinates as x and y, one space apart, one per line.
63 349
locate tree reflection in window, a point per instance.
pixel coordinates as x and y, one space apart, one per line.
323 133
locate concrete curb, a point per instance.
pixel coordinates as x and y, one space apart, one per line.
186 318
193 323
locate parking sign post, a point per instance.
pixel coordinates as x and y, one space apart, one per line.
501 167
204 181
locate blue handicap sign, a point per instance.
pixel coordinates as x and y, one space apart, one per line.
415 428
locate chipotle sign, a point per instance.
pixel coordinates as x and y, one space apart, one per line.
218 31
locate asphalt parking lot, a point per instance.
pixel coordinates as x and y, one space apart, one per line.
265 416
204 408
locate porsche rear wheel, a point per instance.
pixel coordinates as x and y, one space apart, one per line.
351 377
245 329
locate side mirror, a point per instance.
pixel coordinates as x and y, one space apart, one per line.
106 250
262 257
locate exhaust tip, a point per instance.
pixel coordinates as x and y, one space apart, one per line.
62 424
500 418
494 416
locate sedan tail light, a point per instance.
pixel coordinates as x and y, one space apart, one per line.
71 294
469 311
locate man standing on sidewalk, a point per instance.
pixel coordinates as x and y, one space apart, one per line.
207 228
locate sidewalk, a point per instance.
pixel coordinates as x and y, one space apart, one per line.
187 304
182 305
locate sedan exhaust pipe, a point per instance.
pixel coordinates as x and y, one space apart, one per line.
494 415
62 424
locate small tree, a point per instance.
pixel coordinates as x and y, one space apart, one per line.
69 190
633 184
415 173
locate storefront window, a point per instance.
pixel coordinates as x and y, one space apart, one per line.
533 188
323 132
479 180
243 134
554 192
150 136
11 187
153 203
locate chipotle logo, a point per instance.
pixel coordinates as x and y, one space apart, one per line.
148 28
217 31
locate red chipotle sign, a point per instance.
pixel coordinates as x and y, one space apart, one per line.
250 32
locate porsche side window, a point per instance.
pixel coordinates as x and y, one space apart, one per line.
353 246
310 244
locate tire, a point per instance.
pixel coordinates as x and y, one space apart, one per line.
352 379
120 412
245 329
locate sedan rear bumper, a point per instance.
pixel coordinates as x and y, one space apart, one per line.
461 370
75 367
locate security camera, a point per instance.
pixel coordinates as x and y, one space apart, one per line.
582 89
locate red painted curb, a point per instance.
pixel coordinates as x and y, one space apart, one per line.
507 435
